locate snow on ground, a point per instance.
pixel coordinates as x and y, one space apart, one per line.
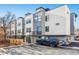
36 50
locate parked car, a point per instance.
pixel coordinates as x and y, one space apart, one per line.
62 43
48 42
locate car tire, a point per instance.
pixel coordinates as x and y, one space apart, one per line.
51 45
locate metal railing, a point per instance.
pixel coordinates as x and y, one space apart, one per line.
35 33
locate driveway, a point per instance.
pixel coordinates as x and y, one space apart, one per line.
37 50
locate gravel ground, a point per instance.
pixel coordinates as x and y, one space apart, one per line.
36 50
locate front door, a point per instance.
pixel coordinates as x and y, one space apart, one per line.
28 39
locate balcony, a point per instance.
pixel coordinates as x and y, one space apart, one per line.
35 33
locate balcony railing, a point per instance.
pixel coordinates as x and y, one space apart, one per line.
35 33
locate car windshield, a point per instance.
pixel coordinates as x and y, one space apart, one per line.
53 39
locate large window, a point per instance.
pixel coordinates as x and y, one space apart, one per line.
19 24
47 28
19 31
57 24
12 32
39 18
28 21
39 29
47 18
28 29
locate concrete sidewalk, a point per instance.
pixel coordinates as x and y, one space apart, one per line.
67 47
74 45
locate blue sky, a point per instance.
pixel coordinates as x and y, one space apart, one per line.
21 9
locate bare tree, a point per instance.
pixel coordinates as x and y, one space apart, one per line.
5 21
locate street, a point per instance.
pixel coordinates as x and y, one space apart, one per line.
37 50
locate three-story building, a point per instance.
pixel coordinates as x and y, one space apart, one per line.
20 27
46 24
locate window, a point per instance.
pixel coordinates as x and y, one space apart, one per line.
36 15
12 32
19 31
67 12
47 28
47 18
28 21
28 29
19 24
57 24
39 18
39 28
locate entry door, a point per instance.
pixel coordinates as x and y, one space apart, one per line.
28 39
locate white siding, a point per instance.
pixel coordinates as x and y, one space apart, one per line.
58 15
13 28
30 25
19 21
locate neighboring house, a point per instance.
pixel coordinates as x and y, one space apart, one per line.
11 31
29 23
13 28
1 33
29 26
20 27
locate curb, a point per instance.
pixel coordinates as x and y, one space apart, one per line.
73 48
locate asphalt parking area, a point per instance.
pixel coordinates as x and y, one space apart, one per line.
37 50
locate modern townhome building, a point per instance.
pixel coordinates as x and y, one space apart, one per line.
11 31
46 24
20 27
29 26
1 32
57 23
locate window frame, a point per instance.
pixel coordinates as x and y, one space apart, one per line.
47 18
28 21
46 28
28 30
57 24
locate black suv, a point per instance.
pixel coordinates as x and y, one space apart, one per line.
49 42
